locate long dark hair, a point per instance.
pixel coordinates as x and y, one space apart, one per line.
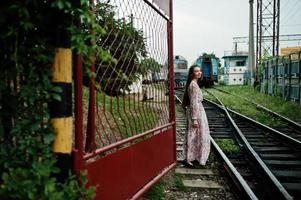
186 100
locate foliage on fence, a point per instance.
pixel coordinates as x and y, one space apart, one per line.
27 164
131 86
118 75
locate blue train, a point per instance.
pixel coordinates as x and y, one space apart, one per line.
180 71
209 65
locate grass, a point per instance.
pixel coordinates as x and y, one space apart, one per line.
124 114
160 86
246 108
156 192
288 109
178 182
166 188
228 146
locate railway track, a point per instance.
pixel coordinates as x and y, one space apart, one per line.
244 190
292 128
269 161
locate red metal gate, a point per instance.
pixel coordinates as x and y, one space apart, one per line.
124 116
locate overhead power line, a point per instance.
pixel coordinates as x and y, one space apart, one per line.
282 38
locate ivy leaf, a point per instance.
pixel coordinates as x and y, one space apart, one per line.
57 89
57 97
60 4
48 138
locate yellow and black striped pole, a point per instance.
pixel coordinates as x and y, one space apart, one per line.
61 110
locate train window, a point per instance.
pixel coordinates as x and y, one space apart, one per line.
240 63
234 79
177 57
240 79
182 66
240 69
234 69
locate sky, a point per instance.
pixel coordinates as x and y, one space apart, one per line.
209 26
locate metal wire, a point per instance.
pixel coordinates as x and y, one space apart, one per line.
131 91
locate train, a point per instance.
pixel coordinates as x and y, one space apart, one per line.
209 65
207 62
180 71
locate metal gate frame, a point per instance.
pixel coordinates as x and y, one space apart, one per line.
136 162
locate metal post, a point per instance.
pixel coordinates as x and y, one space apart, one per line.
61 110
277 27
90 139
283 77
274 27
78 163
172 113
257 35
251 43
289 76
299 75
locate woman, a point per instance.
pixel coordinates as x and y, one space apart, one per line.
197 140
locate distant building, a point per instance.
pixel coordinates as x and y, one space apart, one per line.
288 50
235 67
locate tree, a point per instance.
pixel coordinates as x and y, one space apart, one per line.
127 46
149 65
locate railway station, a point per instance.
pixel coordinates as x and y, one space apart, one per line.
114 100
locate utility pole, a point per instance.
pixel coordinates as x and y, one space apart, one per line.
251 43
268 13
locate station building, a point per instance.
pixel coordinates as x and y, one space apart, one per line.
235 67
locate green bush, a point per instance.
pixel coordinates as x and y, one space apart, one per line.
27 163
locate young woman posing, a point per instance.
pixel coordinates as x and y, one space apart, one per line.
197 140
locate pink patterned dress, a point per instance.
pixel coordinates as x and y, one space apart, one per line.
197 140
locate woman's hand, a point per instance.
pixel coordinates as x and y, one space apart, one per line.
195 123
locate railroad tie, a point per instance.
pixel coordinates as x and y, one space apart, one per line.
194 171
202 184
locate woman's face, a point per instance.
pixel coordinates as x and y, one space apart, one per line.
197 73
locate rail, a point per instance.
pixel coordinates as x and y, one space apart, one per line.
264 170
234 174
261 107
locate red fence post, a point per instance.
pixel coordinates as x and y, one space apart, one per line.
90 139
172 114
78 161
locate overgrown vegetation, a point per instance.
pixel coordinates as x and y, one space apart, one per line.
245 107
156 192
168 187
178 182
128 46
28 39
286 108
228 146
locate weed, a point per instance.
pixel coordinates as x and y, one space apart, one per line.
286 108
179 183
228 146
156 192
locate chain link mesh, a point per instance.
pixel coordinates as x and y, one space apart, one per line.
132 90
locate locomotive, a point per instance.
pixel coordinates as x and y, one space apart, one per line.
209 65
180 71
